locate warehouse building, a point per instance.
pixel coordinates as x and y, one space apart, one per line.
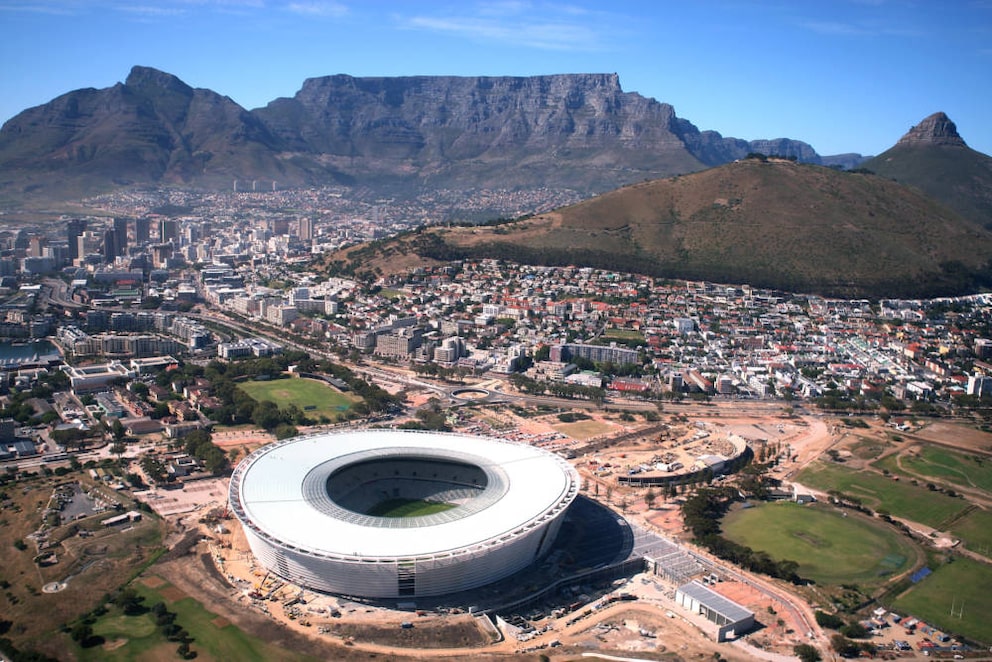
732 620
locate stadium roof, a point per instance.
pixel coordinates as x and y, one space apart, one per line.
277 495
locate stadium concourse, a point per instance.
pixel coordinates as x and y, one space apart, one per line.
310 510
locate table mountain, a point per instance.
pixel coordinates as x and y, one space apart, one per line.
400 135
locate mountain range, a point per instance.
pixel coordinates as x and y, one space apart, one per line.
671 200
769 222
397 136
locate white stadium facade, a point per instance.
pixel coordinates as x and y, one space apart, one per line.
304 504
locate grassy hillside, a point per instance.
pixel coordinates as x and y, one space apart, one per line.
956 176
770 223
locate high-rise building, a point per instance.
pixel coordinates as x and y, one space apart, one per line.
306 229
36 246
142 225
120 235
191 235
74 228
110 248
168 230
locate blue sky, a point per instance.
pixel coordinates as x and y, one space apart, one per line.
843 75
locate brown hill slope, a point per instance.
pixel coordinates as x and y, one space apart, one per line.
776 224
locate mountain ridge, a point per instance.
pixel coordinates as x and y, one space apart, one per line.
766 222
397 134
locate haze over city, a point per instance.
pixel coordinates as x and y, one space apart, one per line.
842 76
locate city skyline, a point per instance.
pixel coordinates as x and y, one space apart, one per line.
842 76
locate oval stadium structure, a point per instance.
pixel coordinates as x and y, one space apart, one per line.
326 511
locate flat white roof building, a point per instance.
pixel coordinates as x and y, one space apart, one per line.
84 379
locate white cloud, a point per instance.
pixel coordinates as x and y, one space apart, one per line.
318 8
521 23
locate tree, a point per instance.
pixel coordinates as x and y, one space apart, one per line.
855 631
81 633
807 653
266 415
832 621
844 646
117 430
649 499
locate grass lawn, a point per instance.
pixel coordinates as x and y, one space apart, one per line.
947 466
623 334
867 449
900 498
315 398
583 430
390 293
829 547
962 582
137 638
975 529
408 508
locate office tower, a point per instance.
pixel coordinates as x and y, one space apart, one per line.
306 229
120 235
168 230
74 229
142 226
110 249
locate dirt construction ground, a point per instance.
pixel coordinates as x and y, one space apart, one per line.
222 574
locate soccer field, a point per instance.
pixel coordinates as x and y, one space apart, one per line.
900 498
313 397
408 508
952 467
955 598
831 548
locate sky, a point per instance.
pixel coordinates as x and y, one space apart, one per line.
841 75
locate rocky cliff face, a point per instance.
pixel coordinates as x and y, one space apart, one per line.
574 131
937 129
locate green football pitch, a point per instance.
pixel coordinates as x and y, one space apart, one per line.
408 508
955 598
313 397
831 546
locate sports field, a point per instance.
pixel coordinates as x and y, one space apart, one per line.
830 545
313 397
955 598
583 430
899 497
408 508
945 465
623 334
975 529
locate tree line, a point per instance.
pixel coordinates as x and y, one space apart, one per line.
702 513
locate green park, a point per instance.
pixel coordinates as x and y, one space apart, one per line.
832 546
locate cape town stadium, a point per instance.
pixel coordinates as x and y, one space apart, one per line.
321 510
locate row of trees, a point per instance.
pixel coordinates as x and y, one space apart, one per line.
702 513
557 389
